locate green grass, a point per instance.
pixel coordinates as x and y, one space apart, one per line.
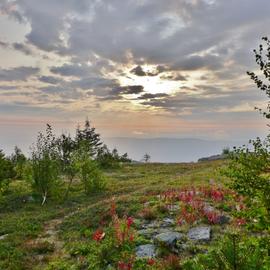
24 220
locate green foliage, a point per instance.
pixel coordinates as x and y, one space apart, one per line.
88 138
262 57
248 168
110 160
234 253
18 159
6 172
45 165
89 173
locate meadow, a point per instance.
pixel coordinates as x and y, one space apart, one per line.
102 230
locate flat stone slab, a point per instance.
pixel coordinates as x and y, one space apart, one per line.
202 233
146 251
168 238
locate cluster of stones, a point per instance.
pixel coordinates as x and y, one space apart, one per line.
165 234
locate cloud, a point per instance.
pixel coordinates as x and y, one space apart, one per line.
138 71
50 79
22 47
174 77
196 62
17 74
70 70
152 96
3 44
95 83
127 90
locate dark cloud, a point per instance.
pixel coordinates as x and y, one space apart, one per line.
50 79
127 90
62 92
152 96
198 62
3 44
22 47
174 77
138 70
95 83
7 87
17 74
70 70
117 92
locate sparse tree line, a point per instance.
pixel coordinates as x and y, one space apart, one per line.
55 160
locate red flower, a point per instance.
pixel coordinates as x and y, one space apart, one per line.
125 266
240 221
130 221
151 261
98 235
212 217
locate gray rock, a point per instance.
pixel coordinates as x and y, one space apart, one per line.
209 208
168 238
146 232
174 208
146 251
151 225
167 222
4 236
223 220
202 233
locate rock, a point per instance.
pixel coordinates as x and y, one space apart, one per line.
174 207
4 236
153 224
146 251
167 222
146 232
202 233
168 238
223 220
209 208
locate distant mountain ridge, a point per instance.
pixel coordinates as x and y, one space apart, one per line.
169 149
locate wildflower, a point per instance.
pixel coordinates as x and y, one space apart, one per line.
240 221
130 221
151 261
98 235
212 217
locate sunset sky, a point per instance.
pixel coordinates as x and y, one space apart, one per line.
135 68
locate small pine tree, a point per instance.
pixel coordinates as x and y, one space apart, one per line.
6 172
18 159
88 138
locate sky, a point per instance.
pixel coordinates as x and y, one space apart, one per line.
144 69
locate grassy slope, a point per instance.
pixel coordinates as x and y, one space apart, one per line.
65 223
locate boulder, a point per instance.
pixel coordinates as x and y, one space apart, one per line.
146 251
167 238
202 233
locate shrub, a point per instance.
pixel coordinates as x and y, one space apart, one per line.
45 165
234 253
92 178
248 169
6 172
